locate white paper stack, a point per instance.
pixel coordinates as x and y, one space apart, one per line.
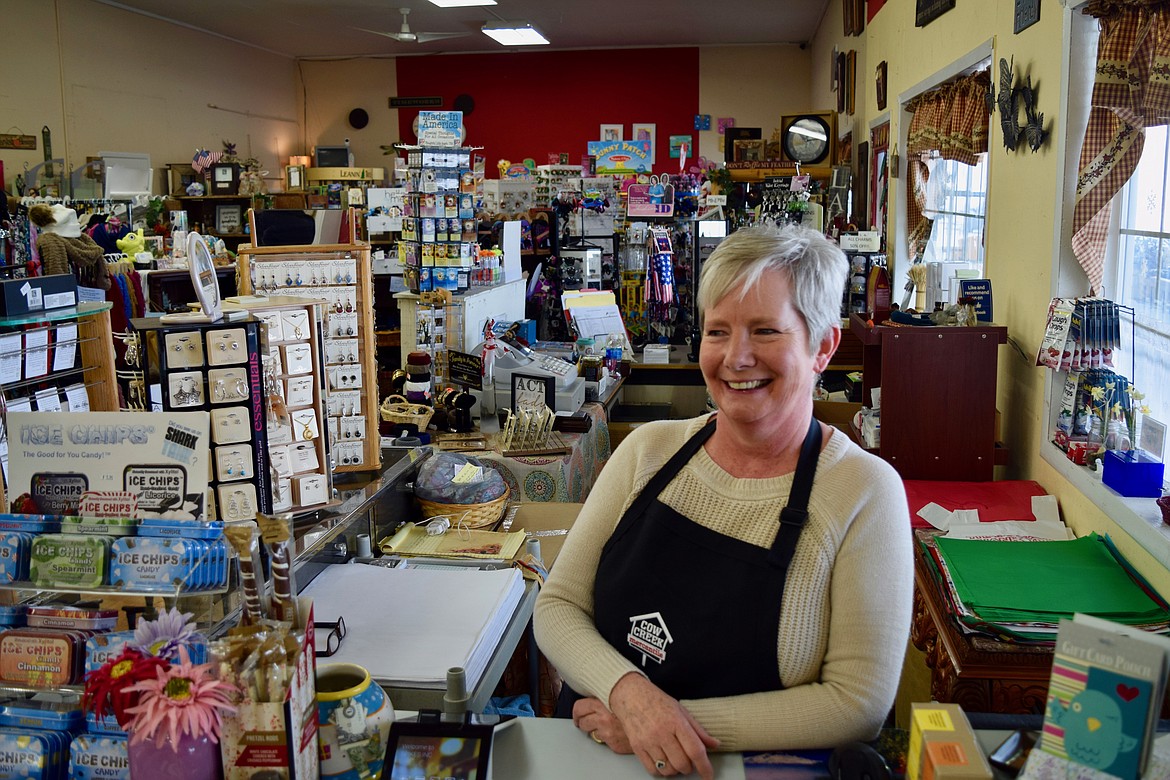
407 627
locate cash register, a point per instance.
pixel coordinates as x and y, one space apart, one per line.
570 388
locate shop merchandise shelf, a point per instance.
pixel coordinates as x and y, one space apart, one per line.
94 363
112 590
338 277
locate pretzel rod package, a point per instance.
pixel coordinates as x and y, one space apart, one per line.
244 537
274 733
276 530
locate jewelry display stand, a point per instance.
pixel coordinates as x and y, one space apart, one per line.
337 278
294 382
215 367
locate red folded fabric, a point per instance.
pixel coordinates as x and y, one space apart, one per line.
1003 500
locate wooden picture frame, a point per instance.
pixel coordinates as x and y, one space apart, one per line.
229 218
179 177
853 15
880 84
531 391
851 81
294 178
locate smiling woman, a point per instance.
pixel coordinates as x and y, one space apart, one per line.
735 489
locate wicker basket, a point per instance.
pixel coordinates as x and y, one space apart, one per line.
472 515
396 409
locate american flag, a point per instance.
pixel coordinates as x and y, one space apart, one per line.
204 159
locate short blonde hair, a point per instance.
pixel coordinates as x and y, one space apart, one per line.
815 266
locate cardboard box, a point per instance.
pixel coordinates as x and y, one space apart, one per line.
37 293
552 516
942 745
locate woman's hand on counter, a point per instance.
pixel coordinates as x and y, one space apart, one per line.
664 736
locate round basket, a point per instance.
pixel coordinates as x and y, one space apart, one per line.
472 515
396 409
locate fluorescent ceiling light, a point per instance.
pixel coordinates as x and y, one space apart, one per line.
514 34
461 3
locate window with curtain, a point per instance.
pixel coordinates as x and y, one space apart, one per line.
1137 273
947 182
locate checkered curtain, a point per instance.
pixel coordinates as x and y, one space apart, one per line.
1131 91
952 122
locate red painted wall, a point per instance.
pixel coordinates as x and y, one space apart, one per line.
528 104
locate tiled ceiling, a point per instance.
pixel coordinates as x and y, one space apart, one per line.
336 28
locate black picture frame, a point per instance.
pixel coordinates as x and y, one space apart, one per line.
926 11
525 387
225 179
229 218
1027 14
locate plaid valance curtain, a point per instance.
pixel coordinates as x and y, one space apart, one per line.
952 122
1131 91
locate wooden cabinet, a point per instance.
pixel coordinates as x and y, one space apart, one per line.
221 216
978 672
92 367
937 397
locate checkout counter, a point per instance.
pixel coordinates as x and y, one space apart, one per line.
375 504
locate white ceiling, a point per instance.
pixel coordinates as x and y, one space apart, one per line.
333 28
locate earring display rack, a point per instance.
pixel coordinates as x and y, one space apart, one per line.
294 371
54 361
216 367
338 278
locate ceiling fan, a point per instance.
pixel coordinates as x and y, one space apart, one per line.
406 35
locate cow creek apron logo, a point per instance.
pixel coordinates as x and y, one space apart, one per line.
649 636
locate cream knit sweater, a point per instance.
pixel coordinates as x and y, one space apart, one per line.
845 618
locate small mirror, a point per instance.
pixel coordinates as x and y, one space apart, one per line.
201 266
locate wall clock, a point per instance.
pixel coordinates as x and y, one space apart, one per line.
806 138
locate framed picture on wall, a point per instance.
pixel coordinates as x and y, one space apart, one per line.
851 81
611 133
880 83
642 131
842 87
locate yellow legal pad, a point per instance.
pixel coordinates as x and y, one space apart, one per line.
412 539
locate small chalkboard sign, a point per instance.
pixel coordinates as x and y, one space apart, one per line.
464 369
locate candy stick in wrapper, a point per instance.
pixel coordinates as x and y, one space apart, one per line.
244 536
277 533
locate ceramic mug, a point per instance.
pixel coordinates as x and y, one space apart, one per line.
354 714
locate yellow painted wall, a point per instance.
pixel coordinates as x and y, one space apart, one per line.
1026 191
755 85
334 88
104 79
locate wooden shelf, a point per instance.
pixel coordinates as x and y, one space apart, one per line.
388 338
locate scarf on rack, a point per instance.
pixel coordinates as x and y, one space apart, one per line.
81 255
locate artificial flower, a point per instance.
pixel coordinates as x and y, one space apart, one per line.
181 698
107 689
164 636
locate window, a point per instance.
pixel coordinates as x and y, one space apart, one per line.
956 199
1138 273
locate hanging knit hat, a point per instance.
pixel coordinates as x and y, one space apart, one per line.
58 219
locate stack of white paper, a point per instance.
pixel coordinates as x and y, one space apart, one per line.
409 626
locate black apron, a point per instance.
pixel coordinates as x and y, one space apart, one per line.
672 595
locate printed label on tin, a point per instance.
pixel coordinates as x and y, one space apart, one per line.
58 493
